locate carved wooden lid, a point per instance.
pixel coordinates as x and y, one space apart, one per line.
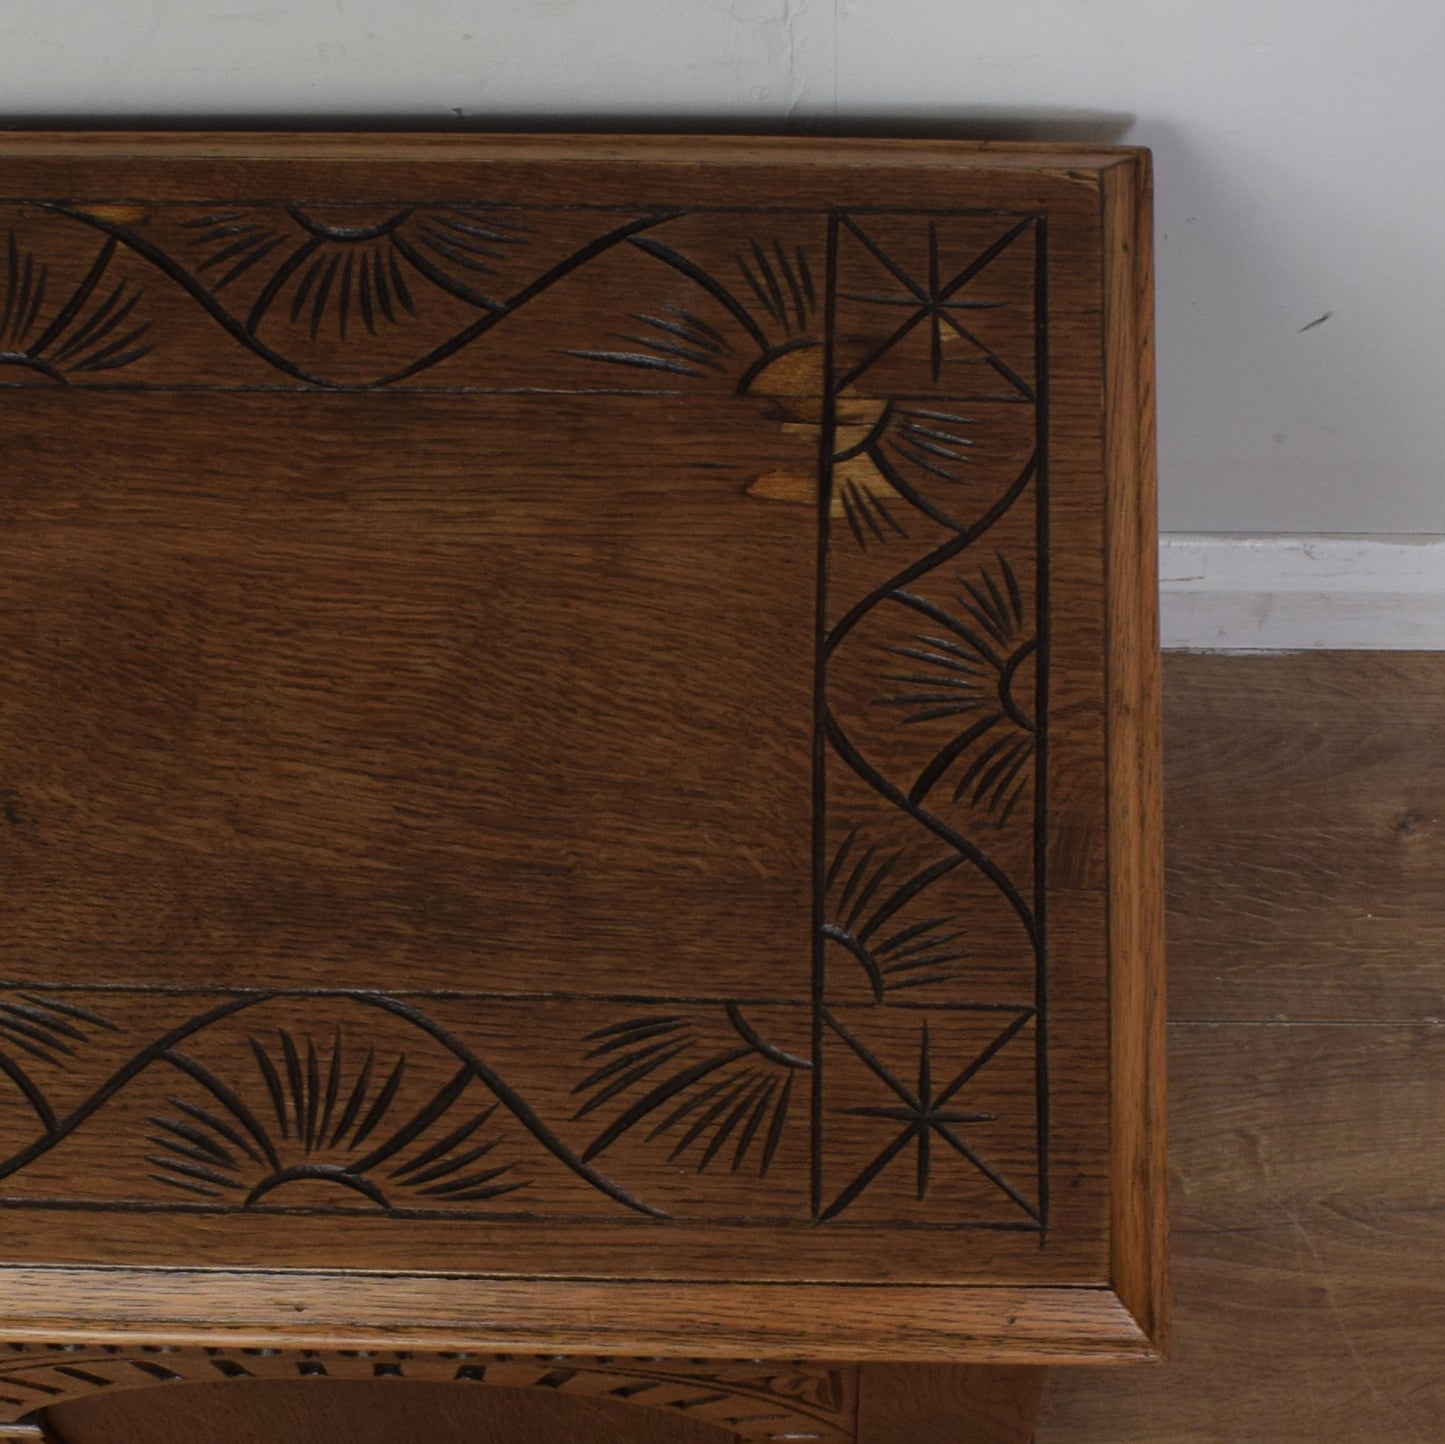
578 752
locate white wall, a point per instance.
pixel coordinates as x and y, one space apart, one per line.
1299 151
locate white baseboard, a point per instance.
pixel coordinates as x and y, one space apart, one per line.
1291 593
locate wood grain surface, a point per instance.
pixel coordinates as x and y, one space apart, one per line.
1138 1195
329 1412
579 711
1307 1062
1304 810
943 1404
1305 1142
299 1309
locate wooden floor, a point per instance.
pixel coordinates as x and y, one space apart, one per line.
1306 803
1306 836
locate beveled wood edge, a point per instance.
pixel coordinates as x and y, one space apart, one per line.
1138 1193
690 150
723 1321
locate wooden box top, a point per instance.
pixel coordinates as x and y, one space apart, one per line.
579 760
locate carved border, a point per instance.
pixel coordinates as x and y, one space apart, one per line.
95 330
991 631
757 1402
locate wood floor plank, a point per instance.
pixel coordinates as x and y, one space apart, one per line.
1308 1179
1274 1122
1305 814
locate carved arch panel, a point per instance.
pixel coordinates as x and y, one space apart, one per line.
758 1403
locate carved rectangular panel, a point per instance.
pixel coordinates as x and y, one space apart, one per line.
556 711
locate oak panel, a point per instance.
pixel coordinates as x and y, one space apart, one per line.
581 711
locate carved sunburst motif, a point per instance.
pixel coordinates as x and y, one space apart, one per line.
90 327
868 887
332 1119
356 276
38 1029
674 339
772 299
878 442
729 1105
968 665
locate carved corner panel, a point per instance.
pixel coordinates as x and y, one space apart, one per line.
555 719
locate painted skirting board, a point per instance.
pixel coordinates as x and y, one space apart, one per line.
1291 593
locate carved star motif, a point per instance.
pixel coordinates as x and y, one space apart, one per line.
934 302
924 1115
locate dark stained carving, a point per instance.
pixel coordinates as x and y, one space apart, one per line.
676 341
365 274
924 1115
969 666
87 330
338 280
867 889
926 403
326 1110
916 483
739 1095
934 302
49 1030
758 1402
224 1151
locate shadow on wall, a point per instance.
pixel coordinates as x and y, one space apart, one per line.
1251 314
1037 124
1233 308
